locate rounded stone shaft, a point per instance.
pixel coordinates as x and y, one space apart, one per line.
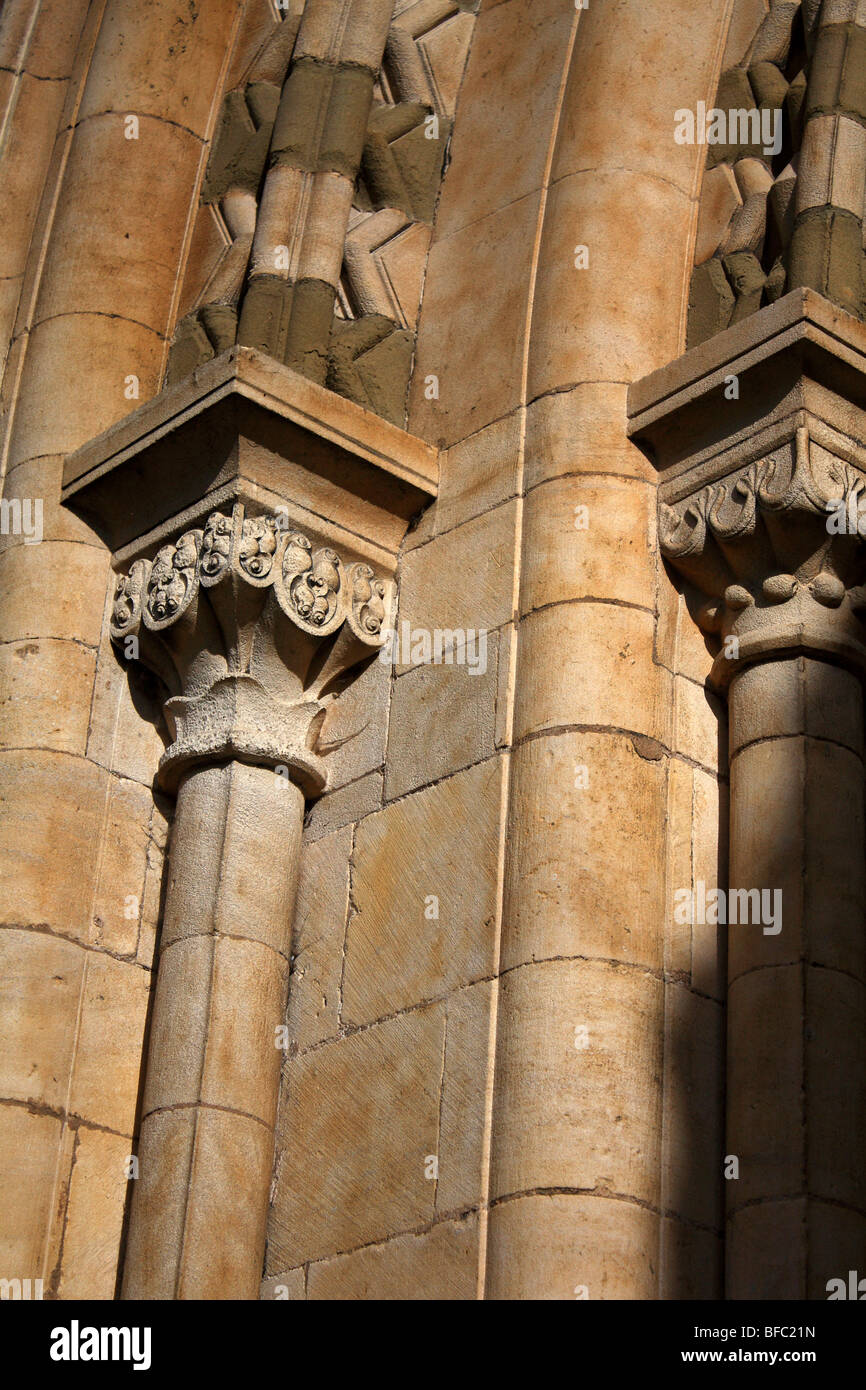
197 1228
98 288
796 1071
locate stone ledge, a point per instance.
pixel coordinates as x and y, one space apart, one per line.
802 355
246 428
759 438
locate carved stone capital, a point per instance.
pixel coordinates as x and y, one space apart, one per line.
250 626
759 441
256 518
244 428
776 552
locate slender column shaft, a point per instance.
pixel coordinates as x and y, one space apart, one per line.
230 615
198 1217
797 984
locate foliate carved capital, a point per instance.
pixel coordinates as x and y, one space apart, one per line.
313 587
776 552
250 625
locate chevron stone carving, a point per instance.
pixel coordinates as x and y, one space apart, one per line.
789 215
319 194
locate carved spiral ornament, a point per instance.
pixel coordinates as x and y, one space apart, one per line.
313 586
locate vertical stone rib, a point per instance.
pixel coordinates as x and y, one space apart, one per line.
795 1076
576 1157
307 197
827 242
37 67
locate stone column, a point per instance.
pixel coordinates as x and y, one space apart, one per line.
249 625
796 1054
256 519
761 514
97 288
207 1134
796 1001
315 155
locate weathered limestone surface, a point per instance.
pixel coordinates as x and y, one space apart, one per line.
413 622
251 628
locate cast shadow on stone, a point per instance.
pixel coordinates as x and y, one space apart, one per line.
147 693
693 1189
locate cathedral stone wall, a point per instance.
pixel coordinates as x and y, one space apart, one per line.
411 275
